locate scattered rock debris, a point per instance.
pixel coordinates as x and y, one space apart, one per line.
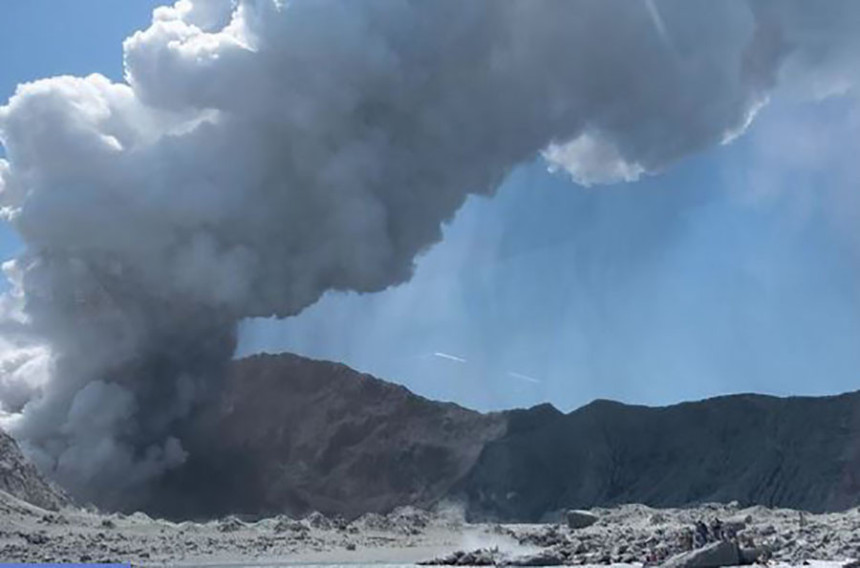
699 537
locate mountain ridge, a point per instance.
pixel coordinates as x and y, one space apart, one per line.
288 434
801 452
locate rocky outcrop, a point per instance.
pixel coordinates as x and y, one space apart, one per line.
713 555
580 519
20 478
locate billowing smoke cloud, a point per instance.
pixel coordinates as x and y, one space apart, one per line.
262 153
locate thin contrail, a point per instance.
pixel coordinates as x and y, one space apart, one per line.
659 24
523 377
449 357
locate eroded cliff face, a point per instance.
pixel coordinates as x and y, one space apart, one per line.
800 452
20 478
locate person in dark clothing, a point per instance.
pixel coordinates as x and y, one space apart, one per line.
700 536
716 530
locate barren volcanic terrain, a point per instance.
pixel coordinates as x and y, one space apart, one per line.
309 461
294 435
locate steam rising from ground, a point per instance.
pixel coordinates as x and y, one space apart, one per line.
260 154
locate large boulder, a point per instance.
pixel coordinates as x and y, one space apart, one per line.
580 519
753 554
714 555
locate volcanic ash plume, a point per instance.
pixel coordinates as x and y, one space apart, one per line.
261 153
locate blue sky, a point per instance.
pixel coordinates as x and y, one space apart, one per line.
681 286
735 270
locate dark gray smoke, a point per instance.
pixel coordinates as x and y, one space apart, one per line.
263 153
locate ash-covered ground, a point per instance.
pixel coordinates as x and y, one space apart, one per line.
31 534
629 534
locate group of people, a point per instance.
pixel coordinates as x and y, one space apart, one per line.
699 536
716 531
703 534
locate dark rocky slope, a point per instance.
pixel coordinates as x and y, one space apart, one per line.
291 435
294 435
794 452
19 477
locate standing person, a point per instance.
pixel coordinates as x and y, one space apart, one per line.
687 540
716 530
700 537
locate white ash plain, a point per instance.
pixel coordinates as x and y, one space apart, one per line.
628 534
